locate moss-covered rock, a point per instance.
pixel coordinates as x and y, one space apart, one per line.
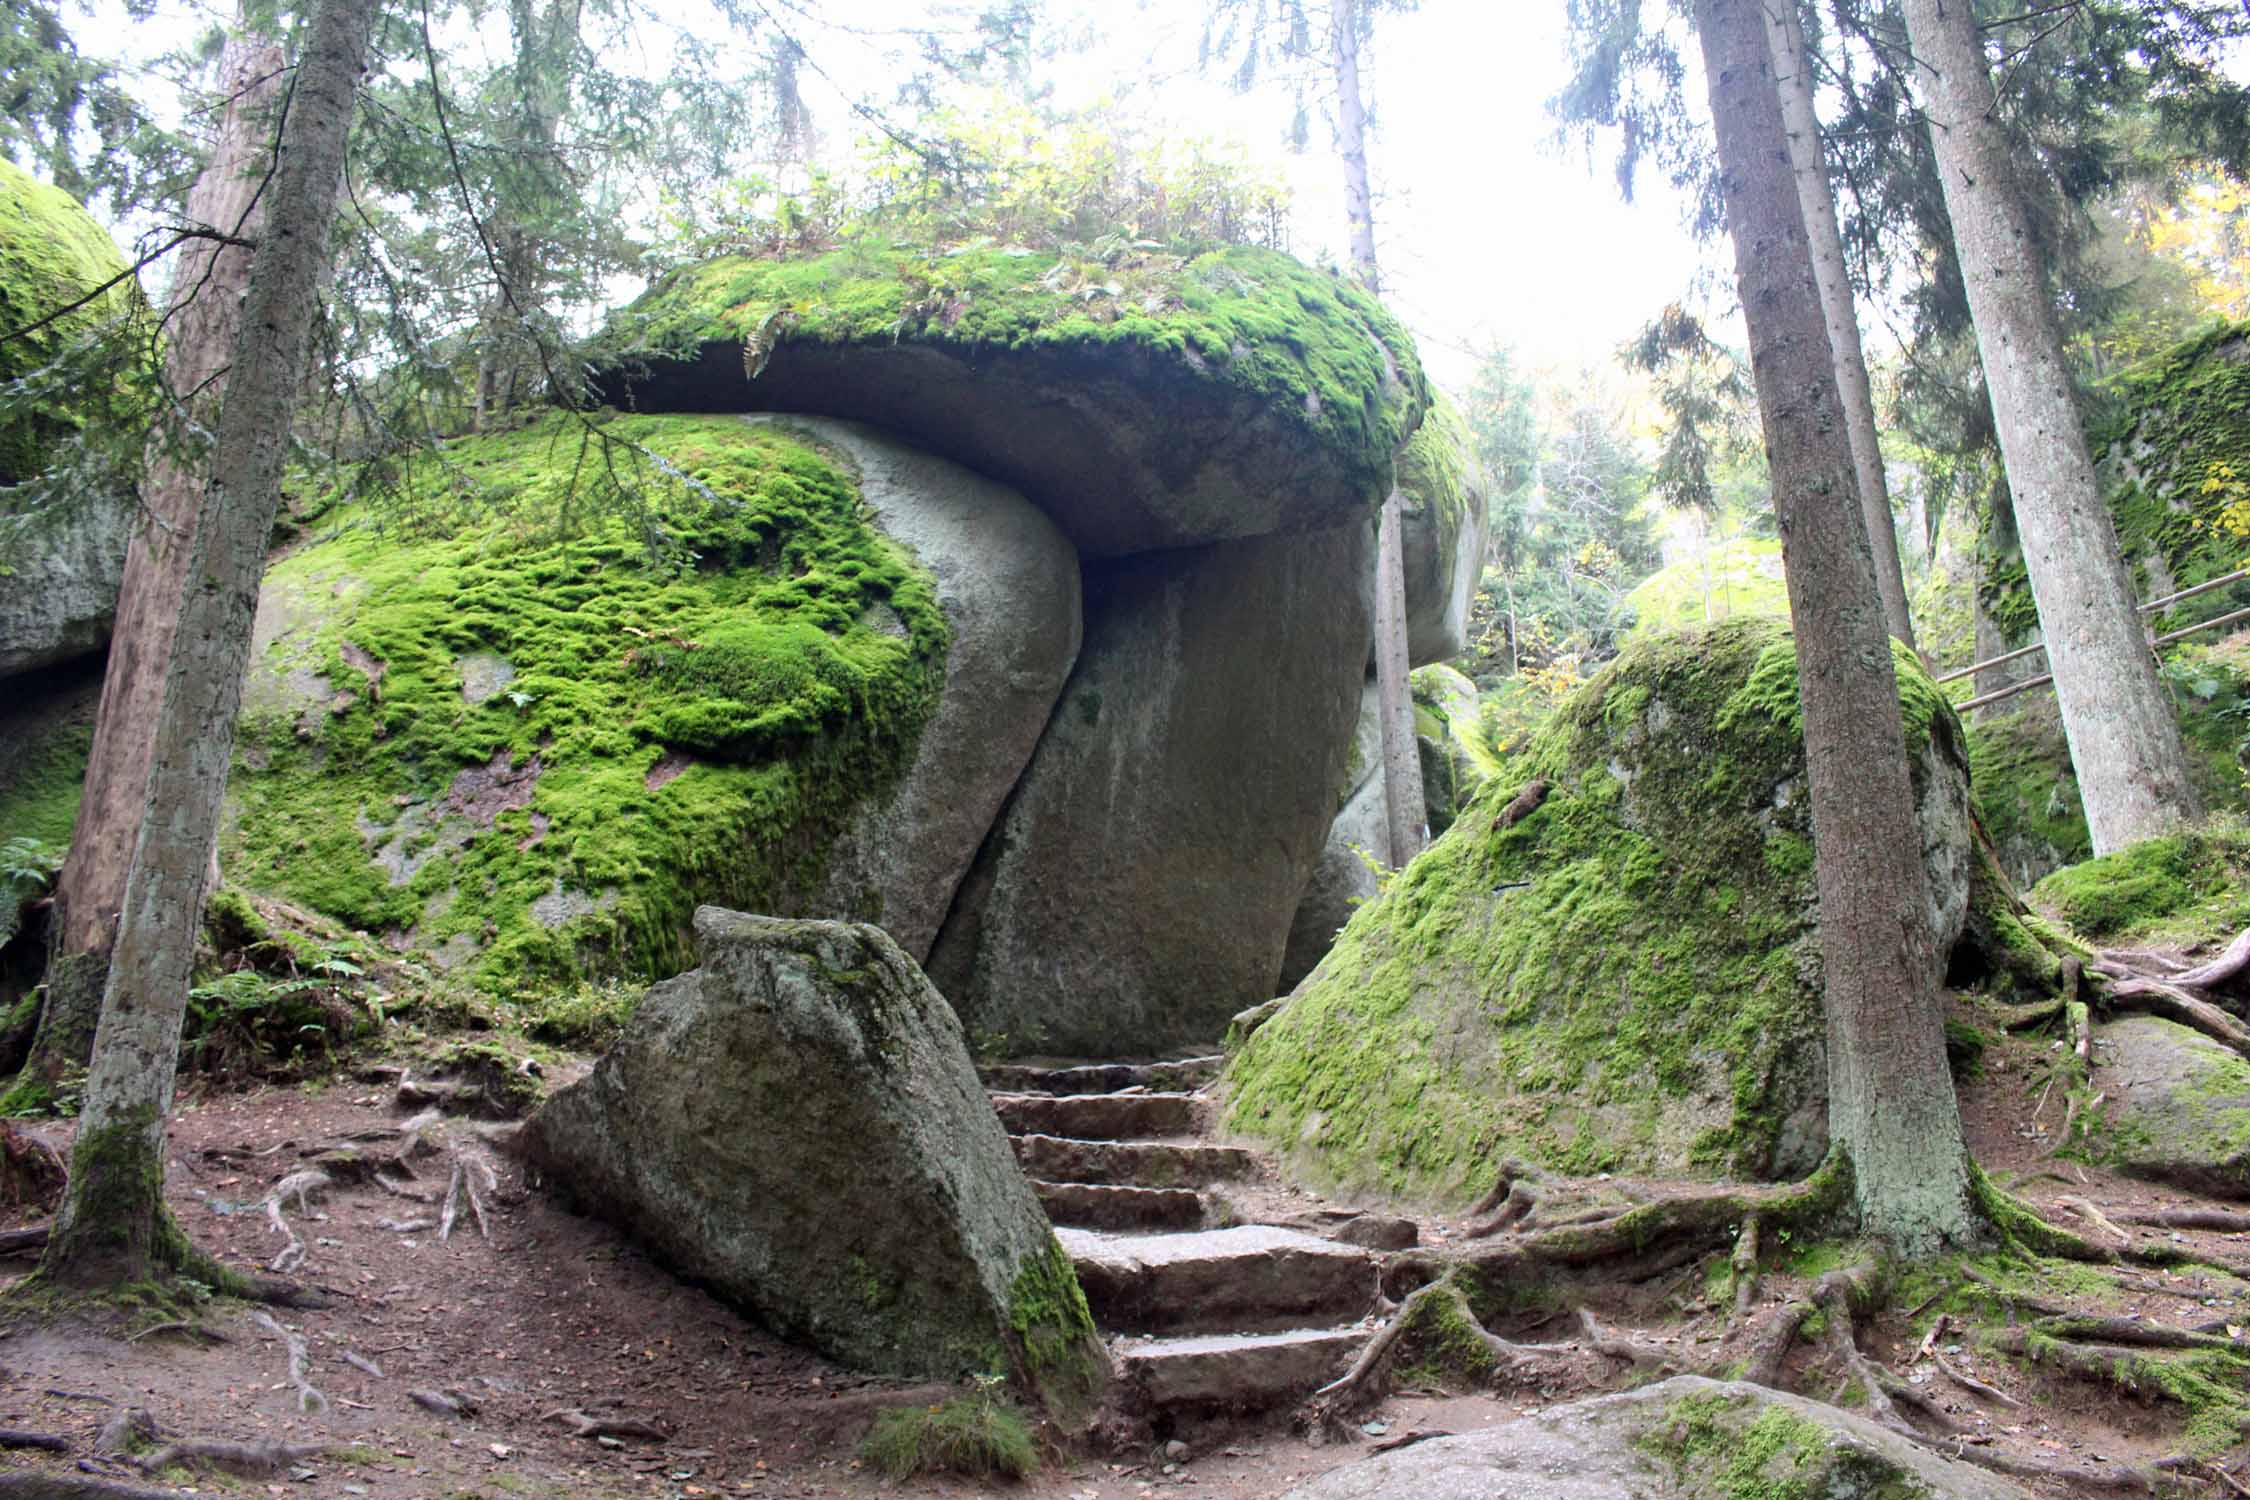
2027 789
51 254
1151 400
1442 533
2174 453
797 1124
1738 577
2183 889
1623 977
665 730
2178 1107
1457 756
1687 1438
58 585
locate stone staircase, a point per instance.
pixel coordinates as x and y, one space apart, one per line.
1203 1313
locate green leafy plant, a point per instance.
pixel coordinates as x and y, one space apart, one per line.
28 861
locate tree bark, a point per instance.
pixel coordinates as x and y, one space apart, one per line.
1785 35
1402 757
1351 142
1402 760
113 1227
2124 740
199 321
1891 1105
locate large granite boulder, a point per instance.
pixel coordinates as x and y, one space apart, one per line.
1687 1438
1138 890
797 1125
1344 877
1442 532
1153 400
2179 1106
1611 961
506 736
58 582
1008 584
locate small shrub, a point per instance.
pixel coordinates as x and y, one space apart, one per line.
589 1017
979 1436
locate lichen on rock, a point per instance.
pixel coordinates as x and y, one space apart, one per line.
685 725
1626 978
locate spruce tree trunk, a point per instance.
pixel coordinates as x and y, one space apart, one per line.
1808 163
2124 740
113 1228
1402 759
1891 1105
205 306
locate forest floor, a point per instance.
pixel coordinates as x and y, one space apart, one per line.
554 1313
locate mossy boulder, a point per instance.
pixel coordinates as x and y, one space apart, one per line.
1687 1438
2178 1107
1457 757
699 723
1737 577
58 588
1625 976
1151 400
2027 788
796 1123
1442 533
2173 446
1139 889
2183 889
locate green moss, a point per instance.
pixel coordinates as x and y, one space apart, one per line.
51 253
1739 577
681 728
1434 474
1625 979
39 785
1054 1348
1714 1447
1307 343
2194 884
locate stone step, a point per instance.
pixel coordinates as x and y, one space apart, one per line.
1248 1279
1051 1158
1180 1075
1087 1205
1098 1117
1238 1371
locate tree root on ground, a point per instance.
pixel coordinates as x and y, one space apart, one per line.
50 1442
2223 1220
251 1460
35 1486
582 1425
309 1398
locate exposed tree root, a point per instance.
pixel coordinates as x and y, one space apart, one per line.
450 1402
2081 1208
309 1398
24 1241
129 1427
13 1438
1335 1406
2225 1221
2076 1477
300 1185
1742 1268
34 1486
473 1181
2227 967
252 1460
2124 990
582 1425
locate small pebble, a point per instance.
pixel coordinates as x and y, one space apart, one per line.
1176 1451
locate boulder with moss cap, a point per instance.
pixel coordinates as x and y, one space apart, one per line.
58 586
1151 400
797 1124
1623 977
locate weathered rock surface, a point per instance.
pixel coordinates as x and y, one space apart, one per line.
1160 401
58 596
1140 886
2179 1106
1457 759
1008 583
1442 532
1342 879
1617 972
797 1123
58 584
1682 1439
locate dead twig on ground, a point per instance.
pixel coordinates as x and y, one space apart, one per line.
309 1398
